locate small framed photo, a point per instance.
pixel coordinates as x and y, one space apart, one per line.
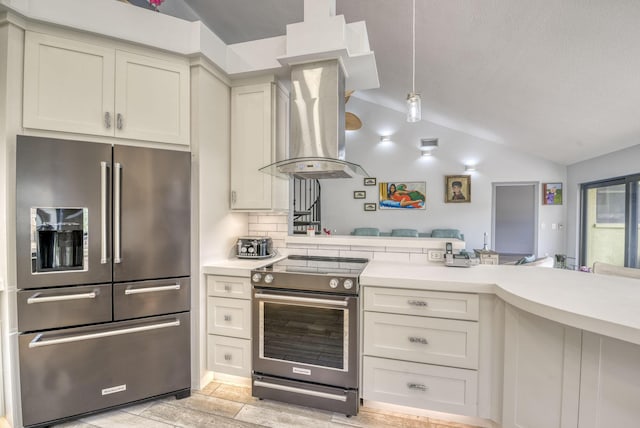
370 206
457 188
369 181
359 194
551 193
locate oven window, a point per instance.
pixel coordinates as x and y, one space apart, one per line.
305 334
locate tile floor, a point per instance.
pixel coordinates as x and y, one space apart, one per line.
232 406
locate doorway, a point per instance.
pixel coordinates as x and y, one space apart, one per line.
515 219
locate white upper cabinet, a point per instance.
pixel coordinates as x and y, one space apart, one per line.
257 140
77 87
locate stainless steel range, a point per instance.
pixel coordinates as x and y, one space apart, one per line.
306 334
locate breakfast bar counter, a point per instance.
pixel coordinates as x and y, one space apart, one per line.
606 305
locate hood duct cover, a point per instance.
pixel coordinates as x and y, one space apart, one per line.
317 134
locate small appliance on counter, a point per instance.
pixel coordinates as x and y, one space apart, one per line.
463 259
254 247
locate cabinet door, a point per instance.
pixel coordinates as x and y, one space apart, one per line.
68 85
152 99
251 146
610 383
541 372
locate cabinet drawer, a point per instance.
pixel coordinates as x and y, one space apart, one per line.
422 386
229 355
229 317
146 298
62 307
440 304
229 286
421 339
72 371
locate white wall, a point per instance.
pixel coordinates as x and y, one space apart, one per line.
401 161
616 164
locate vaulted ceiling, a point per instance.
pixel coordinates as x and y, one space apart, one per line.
558 79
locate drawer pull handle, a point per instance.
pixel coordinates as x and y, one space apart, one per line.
227 288
36 299
227 317
417 386
38 341
151 289
227 357
422 340
420 303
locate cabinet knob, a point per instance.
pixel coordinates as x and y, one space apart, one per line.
119 121
417 386
107 120
227 317
233 197
227 357
414 339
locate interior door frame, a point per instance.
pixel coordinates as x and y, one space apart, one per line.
536 193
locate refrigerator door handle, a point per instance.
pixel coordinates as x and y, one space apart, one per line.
36 342
37 299
152 289
104 257
117 255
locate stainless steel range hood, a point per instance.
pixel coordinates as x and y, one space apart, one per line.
317 134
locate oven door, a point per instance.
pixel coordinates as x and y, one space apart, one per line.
306 336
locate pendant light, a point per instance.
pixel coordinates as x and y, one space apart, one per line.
414 107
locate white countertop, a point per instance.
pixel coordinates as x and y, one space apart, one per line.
237 267
606 305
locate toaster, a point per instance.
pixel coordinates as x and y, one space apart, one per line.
253 247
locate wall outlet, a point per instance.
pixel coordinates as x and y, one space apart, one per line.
435 255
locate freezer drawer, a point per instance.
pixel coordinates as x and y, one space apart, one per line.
147 298
69 372
43 309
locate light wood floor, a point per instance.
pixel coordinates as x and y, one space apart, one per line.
232 406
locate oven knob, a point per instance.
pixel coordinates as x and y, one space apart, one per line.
333 283
348 284
268 278
256 277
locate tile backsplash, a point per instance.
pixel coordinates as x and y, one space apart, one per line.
276 227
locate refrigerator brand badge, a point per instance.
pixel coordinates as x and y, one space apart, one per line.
114 389
302 371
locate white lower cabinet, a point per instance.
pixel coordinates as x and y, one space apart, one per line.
229 325
541 372
418 385
421 360
610 383
229 355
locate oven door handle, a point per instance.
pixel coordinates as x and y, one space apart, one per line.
301 299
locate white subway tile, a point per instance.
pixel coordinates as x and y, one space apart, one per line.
419 258
359 254
302 246
264 227
253 218
276 219
366 248
323 253
403 250
391 257
333 247
282 227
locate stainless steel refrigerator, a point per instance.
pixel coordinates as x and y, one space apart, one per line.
103 265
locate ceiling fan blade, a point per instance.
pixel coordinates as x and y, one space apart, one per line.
352 122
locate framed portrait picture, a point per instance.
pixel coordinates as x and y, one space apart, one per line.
551 193
369 181
359 194
457 188
370 207
403 195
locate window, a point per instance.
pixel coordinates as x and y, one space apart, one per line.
610 215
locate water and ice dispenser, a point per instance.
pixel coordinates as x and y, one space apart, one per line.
59 239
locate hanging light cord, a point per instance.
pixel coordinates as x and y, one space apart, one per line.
413 34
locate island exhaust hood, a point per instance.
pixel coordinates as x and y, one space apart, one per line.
317 124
